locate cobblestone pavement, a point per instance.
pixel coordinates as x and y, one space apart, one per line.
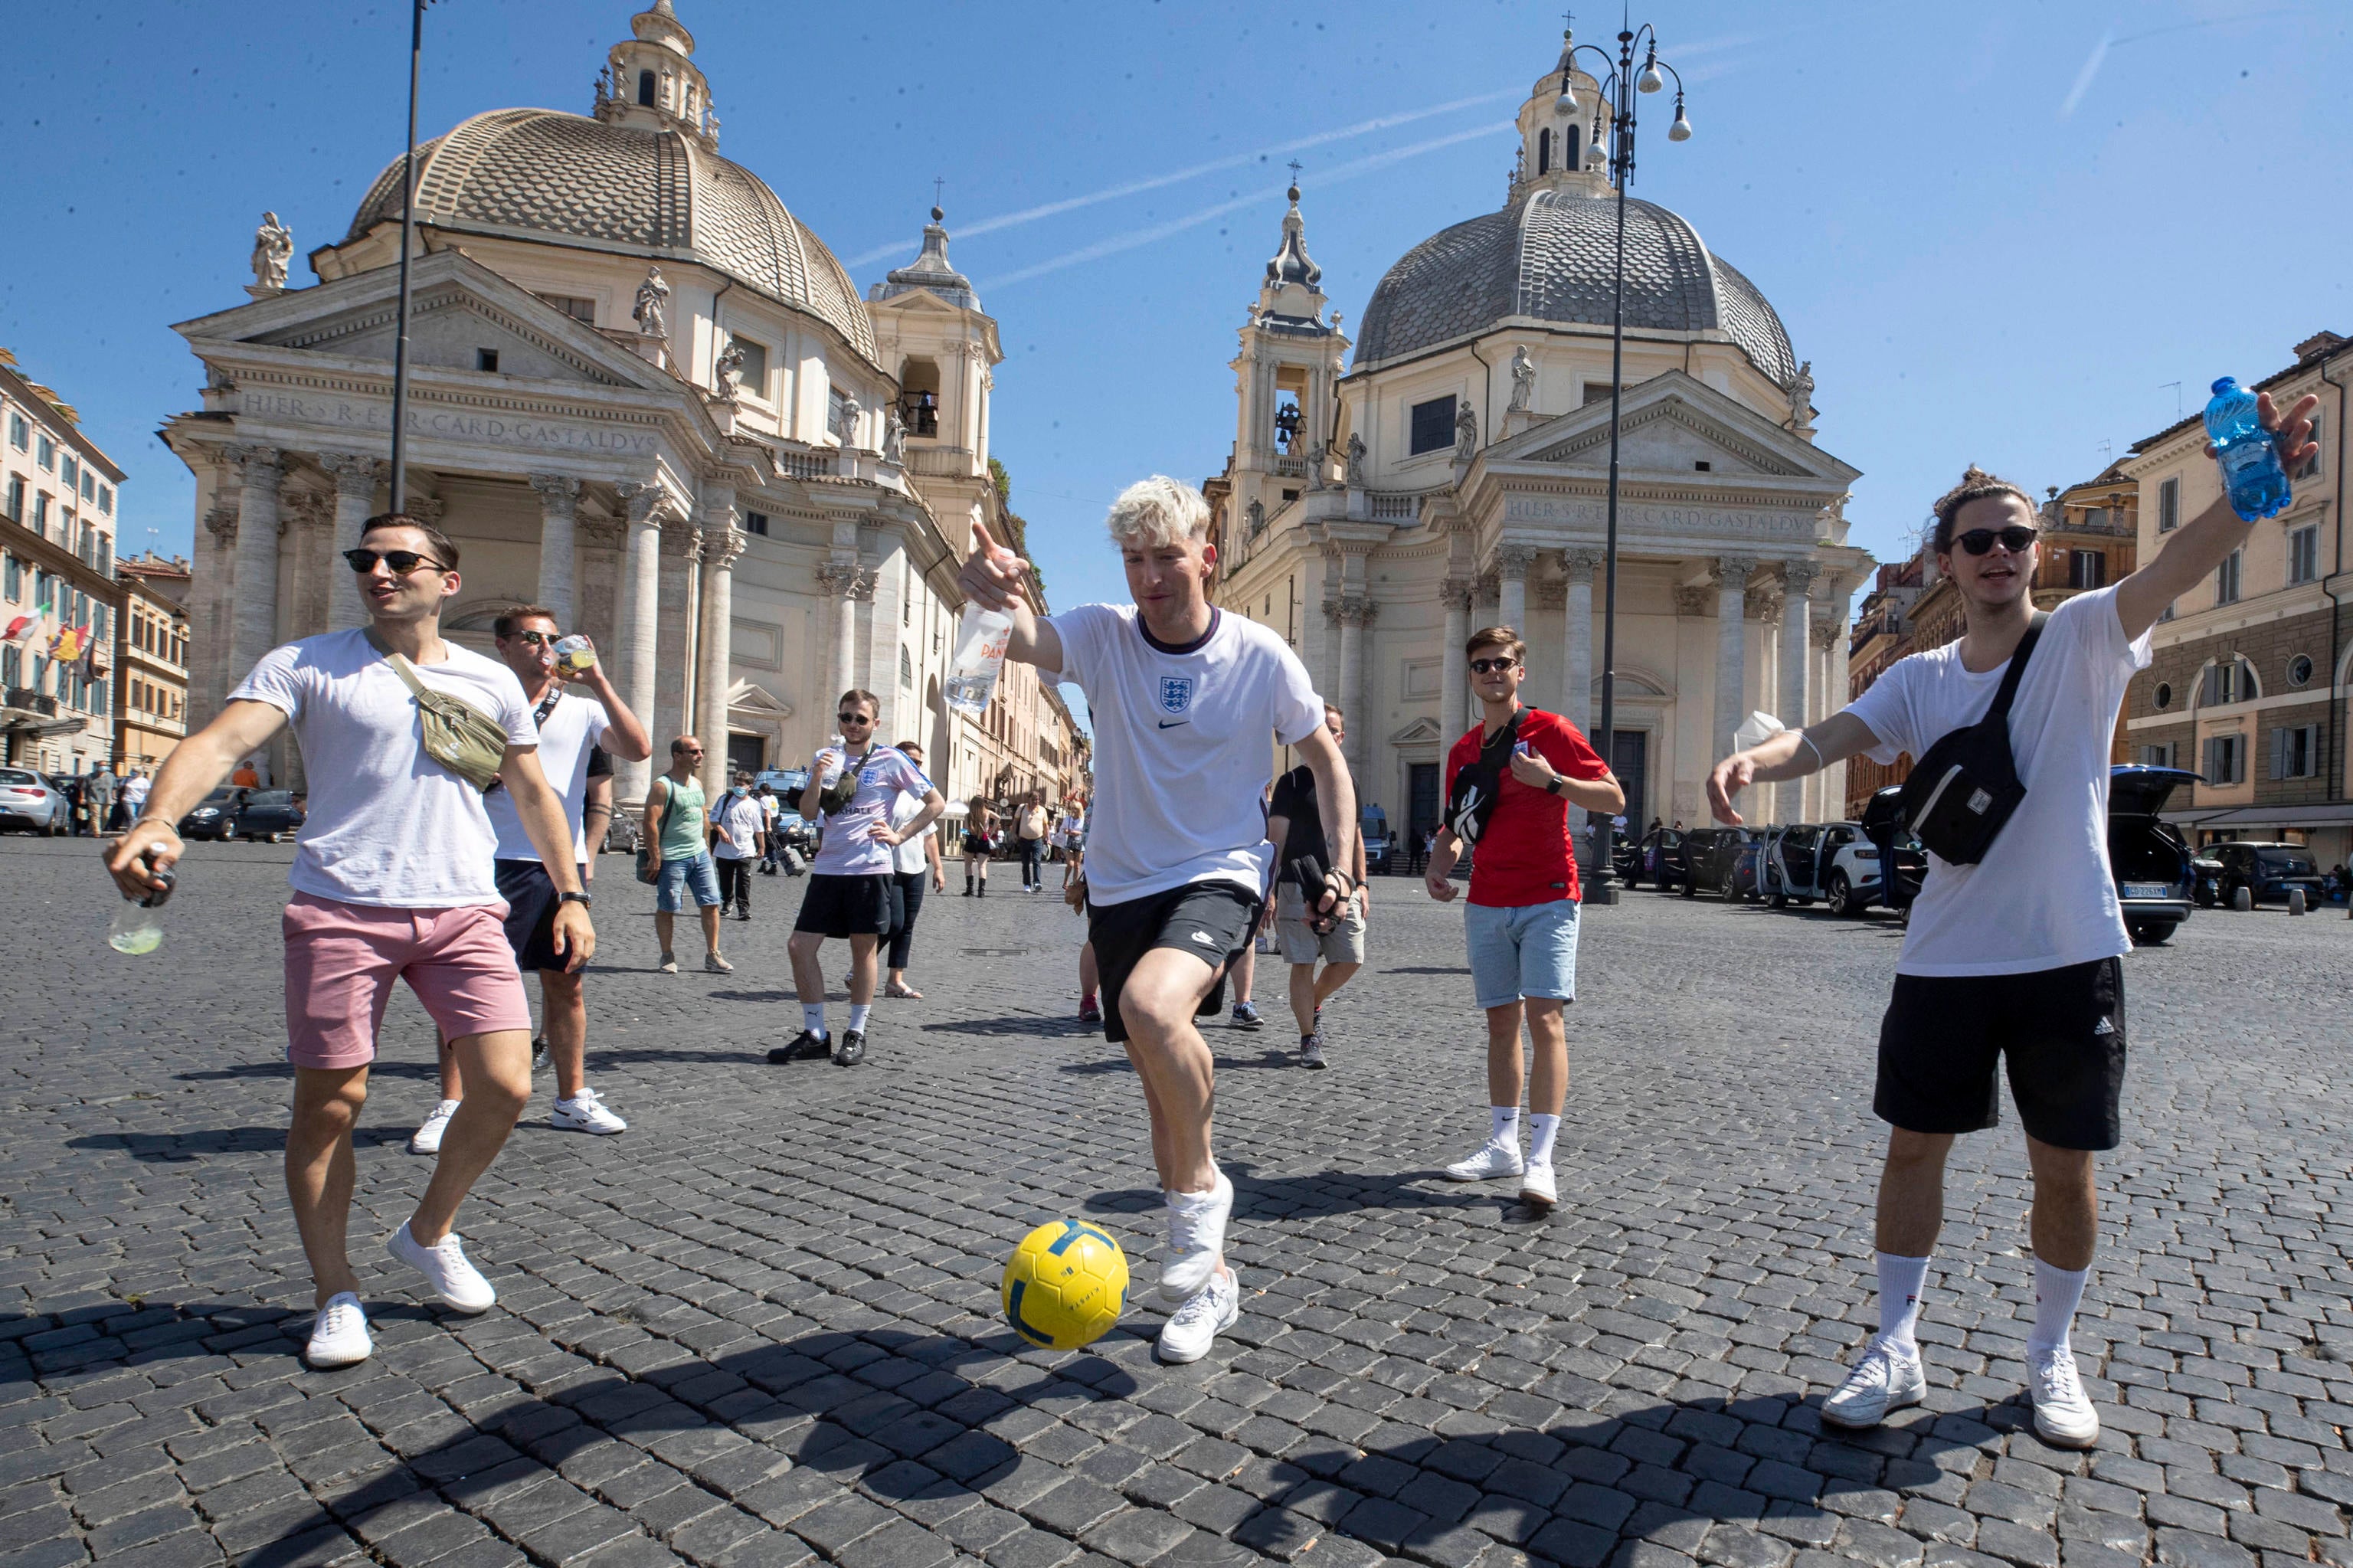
762 1327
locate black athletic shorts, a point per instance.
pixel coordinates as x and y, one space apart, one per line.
837 906
1214 921
531 902
2060 1032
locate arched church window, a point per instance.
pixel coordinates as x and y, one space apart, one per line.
1544 151
646 87
1569 151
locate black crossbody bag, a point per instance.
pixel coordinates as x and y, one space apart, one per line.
1473 801
1964 788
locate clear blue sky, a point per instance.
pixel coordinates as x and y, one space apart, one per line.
1998 230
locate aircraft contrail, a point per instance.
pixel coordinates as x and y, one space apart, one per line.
1132 187
1139 237
2083 77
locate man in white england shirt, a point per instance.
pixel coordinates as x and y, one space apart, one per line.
1188 703
393 879
2013 961
574 712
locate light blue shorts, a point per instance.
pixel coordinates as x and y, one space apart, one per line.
1524 951
680 877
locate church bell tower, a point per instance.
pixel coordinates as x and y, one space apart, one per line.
1291 357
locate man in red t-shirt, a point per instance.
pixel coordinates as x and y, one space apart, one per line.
1509 785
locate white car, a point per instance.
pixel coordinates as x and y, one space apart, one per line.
1834 862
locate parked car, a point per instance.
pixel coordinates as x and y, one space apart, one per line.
1642 860
31 804
2156 875
214 816
2268 872
272 814
1378 846
2208 873
1903 863
1834 862
794 830
1708 858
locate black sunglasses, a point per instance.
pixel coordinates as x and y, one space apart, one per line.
1482 666
853 718
2017 539
536 638
402 562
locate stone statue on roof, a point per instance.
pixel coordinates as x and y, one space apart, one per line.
1466 432
652 310
1524 380
273 246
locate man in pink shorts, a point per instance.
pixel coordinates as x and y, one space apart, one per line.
391 881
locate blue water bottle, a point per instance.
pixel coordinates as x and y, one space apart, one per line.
2251 466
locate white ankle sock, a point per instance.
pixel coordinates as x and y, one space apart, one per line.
1901 1280
1542 1130
857 1012
2057 1293
1503 1124
813 1017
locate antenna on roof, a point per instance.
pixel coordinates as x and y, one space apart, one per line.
2177 395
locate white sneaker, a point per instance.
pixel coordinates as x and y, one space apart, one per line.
1492 1159
585 1113
457 1282
1538 1189
1193 1328
713 964
668 964
339 1334
1196 1239
2064 1416
427 1138
1881 1381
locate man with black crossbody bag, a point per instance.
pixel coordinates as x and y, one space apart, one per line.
2013 957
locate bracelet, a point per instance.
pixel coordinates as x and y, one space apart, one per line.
1820 763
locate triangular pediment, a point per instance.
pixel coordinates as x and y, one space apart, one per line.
1421 732
1670 425
459 310
748 697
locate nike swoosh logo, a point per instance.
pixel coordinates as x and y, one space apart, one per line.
1172 724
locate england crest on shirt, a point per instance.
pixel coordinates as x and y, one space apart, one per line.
1176 693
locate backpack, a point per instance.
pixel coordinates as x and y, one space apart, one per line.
1472 799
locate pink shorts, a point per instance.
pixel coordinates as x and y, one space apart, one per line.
342 958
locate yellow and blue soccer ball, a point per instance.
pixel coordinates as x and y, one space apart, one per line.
1065 1285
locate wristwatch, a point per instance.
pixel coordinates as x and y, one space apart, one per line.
582 899
1553 784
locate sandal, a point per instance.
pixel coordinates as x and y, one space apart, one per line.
905 992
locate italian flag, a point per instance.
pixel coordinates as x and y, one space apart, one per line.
29 630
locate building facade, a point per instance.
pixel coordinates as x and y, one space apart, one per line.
2252 667
58 500
151 661
1455 475
2088 541
642 395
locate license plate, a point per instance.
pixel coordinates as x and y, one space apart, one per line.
2147 890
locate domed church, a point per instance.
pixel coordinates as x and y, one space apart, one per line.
644 395
1455 475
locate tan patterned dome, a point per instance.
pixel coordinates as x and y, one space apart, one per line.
631 189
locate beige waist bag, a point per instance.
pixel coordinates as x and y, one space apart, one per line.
457 734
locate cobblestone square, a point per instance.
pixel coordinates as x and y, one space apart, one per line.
761 1328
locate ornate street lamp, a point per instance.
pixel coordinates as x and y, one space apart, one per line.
1618 89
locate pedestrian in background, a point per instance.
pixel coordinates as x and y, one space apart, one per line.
1029 831
913 862
979 825
740 839
677 857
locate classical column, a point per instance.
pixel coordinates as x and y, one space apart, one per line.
721 543
1797 620
848 583
1731 620
1356 613
1829 635
559 502
216 585
1511 564
1453 693
310 533
356 478
682 551
253 617
1577 700
639 631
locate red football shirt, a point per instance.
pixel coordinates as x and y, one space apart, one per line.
1524 854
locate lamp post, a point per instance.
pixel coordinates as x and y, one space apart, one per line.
408 240
1617 89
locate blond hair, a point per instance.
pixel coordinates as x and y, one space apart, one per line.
1159 511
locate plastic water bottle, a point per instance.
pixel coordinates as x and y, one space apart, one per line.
2250 459
575 654
981 641
835 757
138 925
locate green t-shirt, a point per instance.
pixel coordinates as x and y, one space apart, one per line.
681 819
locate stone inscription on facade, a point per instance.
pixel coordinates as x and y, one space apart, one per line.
518 432
1691 521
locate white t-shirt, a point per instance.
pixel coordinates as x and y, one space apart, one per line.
1184 747
386 824
134 790
2044 895
848 849
908 858
572 725
740 814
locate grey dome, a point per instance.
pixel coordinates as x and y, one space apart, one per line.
527 172
1548 256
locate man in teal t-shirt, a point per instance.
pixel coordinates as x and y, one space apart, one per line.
678 856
